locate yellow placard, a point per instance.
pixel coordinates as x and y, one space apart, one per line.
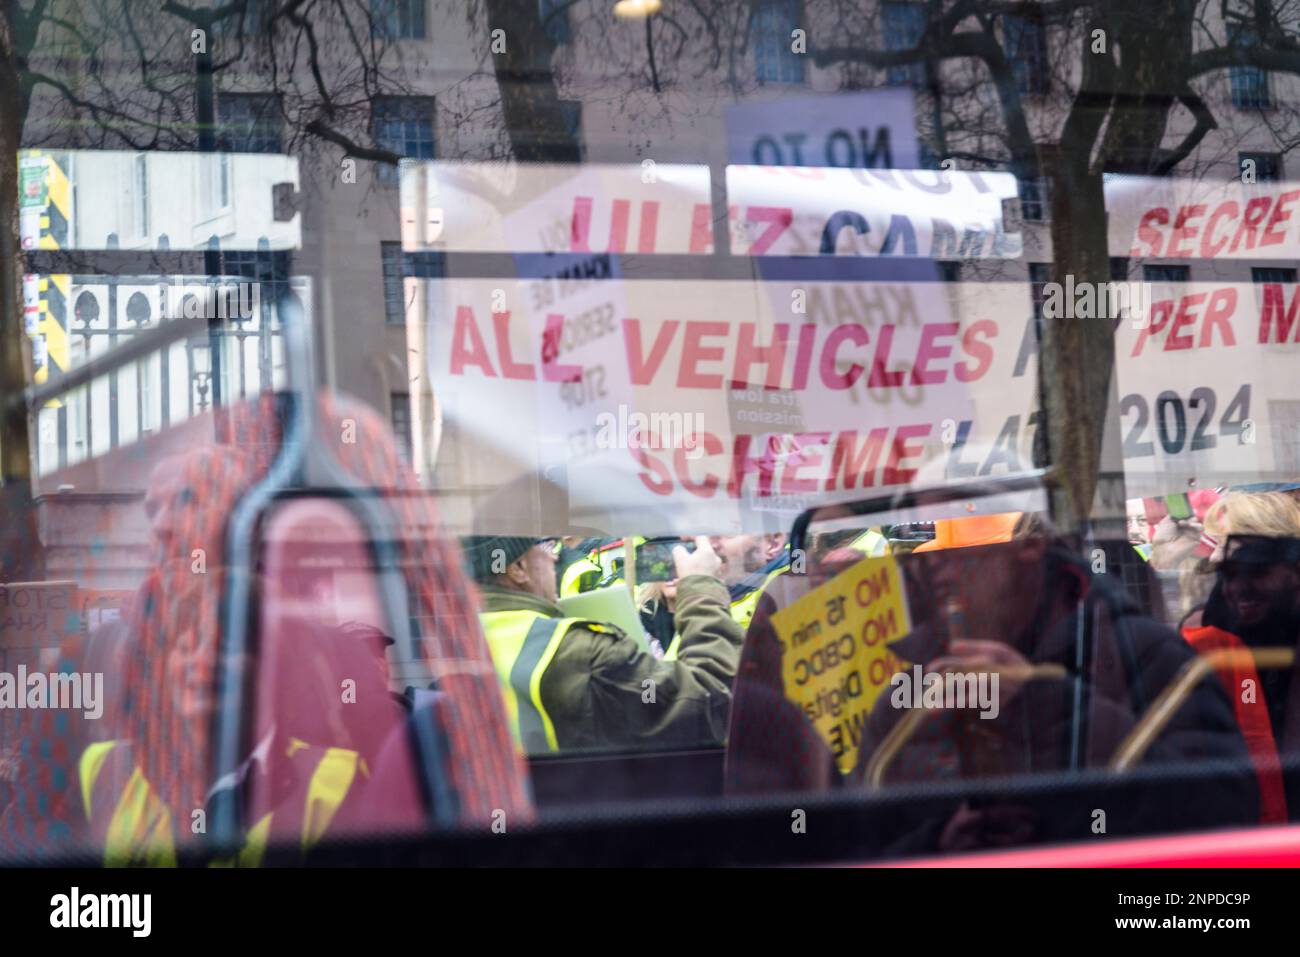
836 658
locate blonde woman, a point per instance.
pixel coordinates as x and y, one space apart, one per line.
657 601
1272 514
1255 603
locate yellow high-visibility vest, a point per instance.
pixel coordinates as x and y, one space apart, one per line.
569 581
523 644
140 827
870 543
742 609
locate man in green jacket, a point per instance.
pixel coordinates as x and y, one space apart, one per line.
571 683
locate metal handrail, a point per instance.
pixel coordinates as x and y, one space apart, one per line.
913 497
303 463
902 732
1139 740
138 346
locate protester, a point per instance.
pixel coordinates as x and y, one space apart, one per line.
1255 604
146 791
571 683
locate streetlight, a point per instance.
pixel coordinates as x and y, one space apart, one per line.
637 9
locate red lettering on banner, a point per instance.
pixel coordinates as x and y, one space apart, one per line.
804 455
701 229
664 485
618 226
694 352
1223 303
467 346
850 460
649 226
1256 210
778 219
1210 248
981 352
796 455
1160 314
1149 235
895 474
1184 230
748 355
1271 311
1186 316
641 368
803 357
742 464
1280 216
509 368
580 227
841 380
879 377
1179 316
706 487
929 350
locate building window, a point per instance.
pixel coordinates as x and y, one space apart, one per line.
247 19
140 195
1249 83
772 24
555 20
1165 274
904 24
398 265
404 125
214 183
397 19
400 416
1267 166
394 295
1026 42
1272 274
248 123
1035 198
270 270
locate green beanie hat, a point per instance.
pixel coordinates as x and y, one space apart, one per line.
488 555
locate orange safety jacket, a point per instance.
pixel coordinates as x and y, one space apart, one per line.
1252 717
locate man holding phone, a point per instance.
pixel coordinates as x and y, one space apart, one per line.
571 683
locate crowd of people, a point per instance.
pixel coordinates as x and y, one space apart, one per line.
335 739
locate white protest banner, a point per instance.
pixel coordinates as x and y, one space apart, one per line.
708 405
787 211
871 128
1197 219
556 208
1208 391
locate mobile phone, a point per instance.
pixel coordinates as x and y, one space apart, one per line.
654 559
1180 506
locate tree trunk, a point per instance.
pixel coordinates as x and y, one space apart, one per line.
534 114
21 556
1078 362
